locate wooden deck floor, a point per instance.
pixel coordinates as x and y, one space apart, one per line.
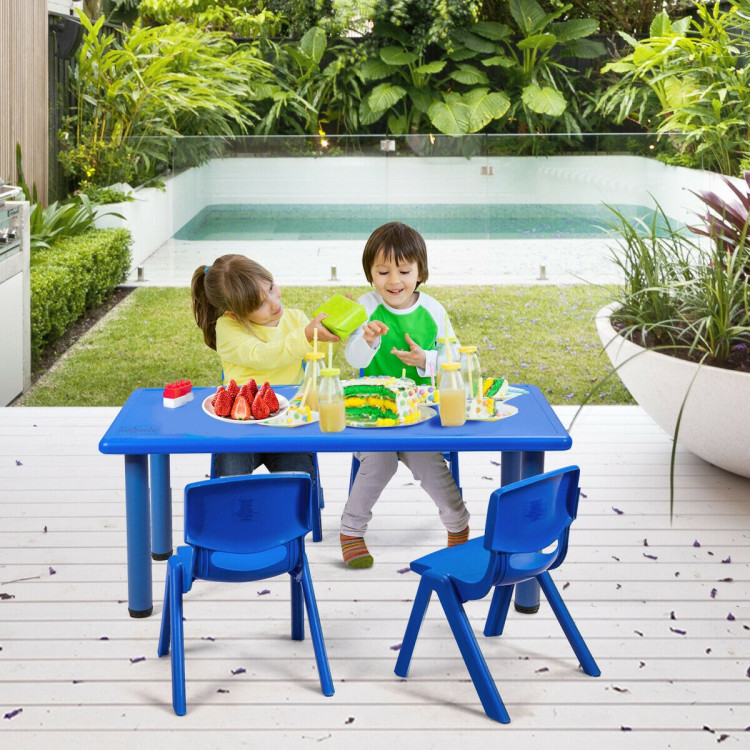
663 607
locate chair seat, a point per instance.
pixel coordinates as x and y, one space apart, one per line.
255 561
465 562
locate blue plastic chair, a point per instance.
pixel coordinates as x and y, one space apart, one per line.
243 528
317 521
522 518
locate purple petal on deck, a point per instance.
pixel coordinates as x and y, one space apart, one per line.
18 463
264 592
617 510
239 670
696 543
731 617
650 557
727 560
678 631
13 713
52 571
713 593
136 659
403 570
395 647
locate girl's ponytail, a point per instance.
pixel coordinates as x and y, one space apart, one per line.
204 312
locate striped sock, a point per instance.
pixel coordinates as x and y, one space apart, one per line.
355 552
458 537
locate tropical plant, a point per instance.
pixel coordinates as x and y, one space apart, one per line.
416 93
689 77
59 219
540 86
726 219
631 16
242 19
134 95
316 88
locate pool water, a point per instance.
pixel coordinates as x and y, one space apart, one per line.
433 221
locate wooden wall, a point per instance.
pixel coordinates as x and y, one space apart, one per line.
23 91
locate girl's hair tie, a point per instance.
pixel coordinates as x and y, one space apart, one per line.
205 270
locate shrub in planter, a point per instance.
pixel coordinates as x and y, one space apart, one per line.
71 277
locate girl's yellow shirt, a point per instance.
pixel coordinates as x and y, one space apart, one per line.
264 353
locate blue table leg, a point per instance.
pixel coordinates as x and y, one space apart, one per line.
161 508
517 465
137 514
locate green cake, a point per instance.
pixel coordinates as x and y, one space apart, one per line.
381 401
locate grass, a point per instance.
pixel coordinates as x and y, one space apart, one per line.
540 335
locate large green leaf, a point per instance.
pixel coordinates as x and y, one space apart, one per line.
544 100
576 28
374 70
434 67
384 96
469 75
485 107
538 41
421 98
313 43
586 49
366 114
661 25
450 117
397 125
473 41
397 56
491 30
528 15
502 61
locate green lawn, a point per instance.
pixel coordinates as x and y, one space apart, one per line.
540 335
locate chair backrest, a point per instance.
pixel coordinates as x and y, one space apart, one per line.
529 515
249 513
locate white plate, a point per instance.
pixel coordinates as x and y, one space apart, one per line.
209 409
502 410
425 413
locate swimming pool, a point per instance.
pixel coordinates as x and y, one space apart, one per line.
261 222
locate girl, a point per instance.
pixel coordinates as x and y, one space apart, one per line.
238 307
400 334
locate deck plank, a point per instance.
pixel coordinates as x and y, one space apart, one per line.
663 603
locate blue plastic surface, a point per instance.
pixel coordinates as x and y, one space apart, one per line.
526 535
241 529
144 427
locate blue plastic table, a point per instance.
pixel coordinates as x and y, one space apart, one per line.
144 429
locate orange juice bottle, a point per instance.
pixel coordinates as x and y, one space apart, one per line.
452 404
311 382
331 401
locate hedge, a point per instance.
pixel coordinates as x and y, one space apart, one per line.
72 276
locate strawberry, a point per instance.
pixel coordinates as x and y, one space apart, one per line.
265 386
260 409
249 390
233 389
223 405
240 408
218 391
270 398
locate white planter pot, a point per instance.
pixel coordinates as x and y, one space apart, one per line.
715 422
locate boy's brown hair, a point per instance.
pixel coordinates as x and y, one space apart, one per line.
399 242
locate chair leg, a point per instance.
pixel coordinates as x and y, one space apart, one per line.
165 632
353 472
498 611
316 632
473 658
418 610
174 571
569 627
298 613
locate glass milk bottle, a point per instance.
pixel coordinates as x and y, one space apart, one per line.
471 371
447 350
452 399
311 382
331 401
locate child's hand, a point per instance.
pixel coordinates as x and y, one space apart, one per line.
414 356
372 329
323 333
